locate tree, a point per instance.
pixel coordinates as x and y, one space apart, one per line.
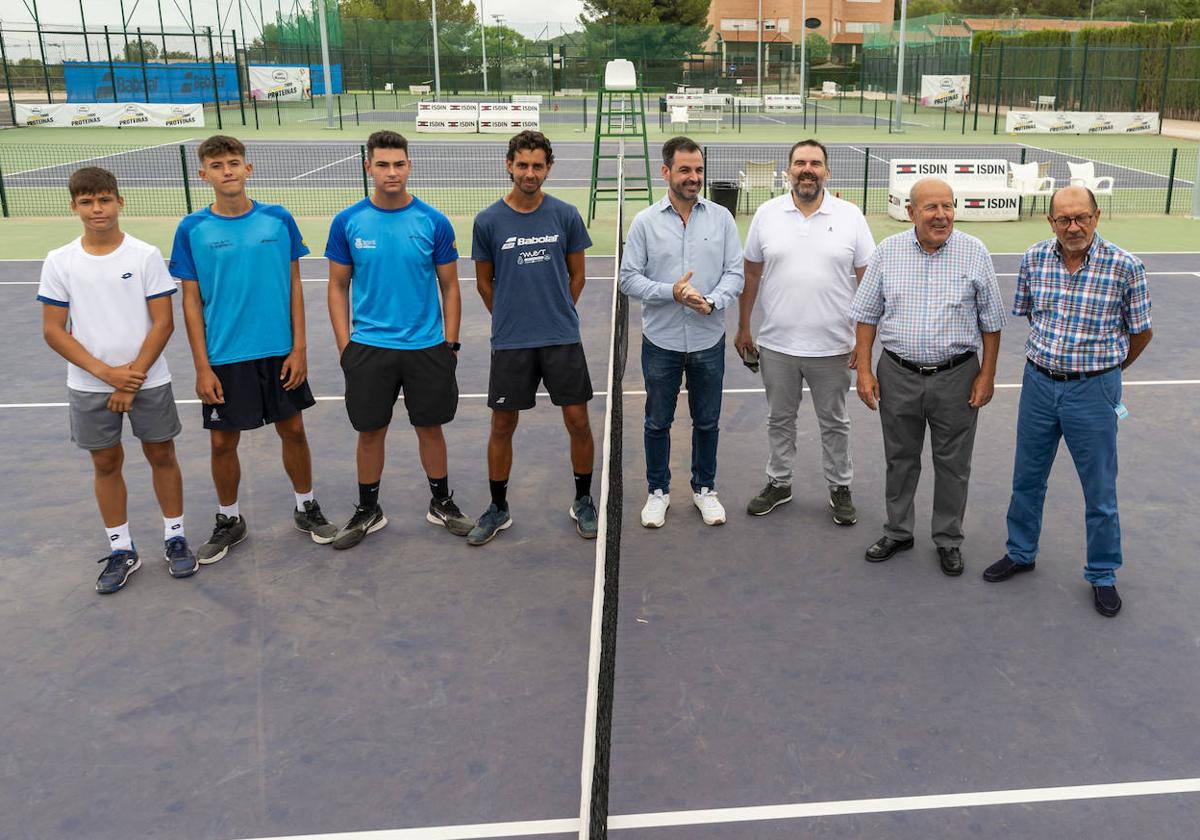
816 48
650 28
133 51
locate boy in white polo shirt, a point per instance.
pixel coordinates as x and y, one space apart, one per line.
115 291
805 255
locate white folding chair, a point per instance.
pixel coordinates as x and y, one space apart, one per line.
1026 178
758 175
1084 175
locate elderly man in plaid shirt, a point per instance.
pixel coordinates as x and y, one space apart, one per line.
932 296
1089 314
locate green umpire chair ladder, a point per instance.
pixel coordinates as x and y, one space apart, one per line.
621 115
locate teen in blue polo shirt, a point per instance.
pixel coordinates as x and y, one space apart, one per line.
389 255
529 250
244 311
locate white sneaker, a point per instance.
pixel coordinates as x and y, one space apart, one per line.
654 514
710 506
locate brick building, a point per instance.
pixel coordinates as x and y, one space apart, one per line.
842 22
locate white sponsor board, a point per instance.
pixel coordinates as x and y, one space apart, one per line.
448 117
685 100
526 98
1080 122
283 83
981 191
110 114
945 91
783 102
508 118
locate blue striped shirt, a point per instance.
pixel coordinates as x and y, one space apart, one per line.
930 307
660 249
1081 321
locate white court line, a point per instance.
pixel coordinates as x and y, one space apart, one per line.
98 157
864 154
1106 163
791 811
1015 386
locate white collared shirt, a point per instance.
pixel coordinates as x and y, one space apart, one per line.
808 280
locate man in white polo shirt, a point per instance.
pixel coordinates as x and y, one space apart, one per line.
805 254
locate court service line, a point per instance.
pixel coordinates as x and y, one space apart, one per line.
478 831
97 157
1013 386
326 166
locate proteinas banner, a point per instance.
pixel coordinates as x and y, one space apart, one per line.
282 83
1080 122
110 115
945 91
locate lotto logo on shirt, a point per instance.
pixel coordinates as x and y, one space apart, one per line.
364 244
126 275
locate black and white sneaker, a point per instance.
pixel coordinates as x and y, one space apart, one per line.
445 513
118 566
228 532
364 521
181 562
311 521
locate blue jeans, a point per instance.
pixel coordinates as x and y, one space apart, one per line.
663 371
1082 412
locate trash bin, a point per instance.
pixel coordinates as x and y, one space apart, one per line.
726 194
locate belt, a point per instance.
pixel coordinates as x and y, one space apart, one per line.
930 370
1068 375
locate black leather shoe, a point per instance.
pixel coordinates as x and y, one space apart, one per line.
885 547
1004 568
951 560
1108 602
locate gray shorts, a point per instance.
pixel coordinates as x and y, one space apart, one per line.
152 417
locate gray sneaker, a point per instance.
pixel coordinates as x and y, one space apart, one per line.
229 531
311 521
769 498
583 511
445 513
491 523
843 506
364 521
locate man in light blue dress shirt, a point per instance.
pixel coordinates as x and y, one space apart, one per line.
683 260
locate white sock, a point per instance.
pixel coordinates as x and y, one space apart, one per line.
228 510
172 527
119 537
301 498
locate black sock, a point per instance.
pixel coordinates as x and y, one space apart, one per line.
368 495
583 485
440 487
499 493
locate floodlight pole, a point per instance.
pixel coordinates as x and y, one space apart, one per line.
898 128
483 43
437 67
758 42
327 75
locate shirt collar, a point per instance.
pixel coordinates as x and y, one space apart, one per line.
917 242
825 208
664 204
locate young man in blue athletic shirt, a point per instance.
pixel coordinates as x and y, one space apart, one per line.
529 250
389 255
244 310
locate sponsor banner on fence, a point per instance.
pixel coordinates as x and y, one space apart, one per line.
783 102
448 117
510 109
945 91
111 114
282 83
1080 122
981 191
506 125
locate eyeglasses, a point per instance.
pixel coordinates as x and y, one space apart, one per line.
1065 222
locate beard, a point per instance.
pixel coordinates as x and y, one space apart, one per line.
805 189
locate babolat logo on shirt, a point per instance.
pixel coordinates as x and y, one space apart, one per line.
362 244
514 241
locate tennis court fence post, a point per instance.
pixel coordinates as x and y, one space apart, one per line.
237 74
362 156
212 66
254 105
866 175
112 71
187 186
12 107
3 195
1196 188
1171 178
339 101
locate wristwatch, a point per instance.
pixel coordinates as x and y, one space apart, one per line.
454 345
712 305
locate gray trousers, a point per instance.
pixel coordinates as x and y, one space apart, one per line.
829 380
908 402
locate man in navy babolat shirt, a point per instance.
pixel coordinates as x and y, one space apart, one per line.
244 310
388 256
529 251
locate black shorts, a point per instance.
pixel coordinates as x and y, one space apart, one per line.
375 376
254 395
513 382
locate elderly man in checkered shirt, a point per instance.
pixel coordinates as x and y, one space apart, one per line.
932 296
1089 314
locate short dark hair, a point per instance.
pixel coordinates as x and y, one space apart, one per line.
531 140
92 180
677 144
386 139
817 143
221 144
1091 195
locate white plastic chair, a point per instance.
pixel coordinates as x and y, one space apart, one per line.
679 114
758 175
1026 178
1084 175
